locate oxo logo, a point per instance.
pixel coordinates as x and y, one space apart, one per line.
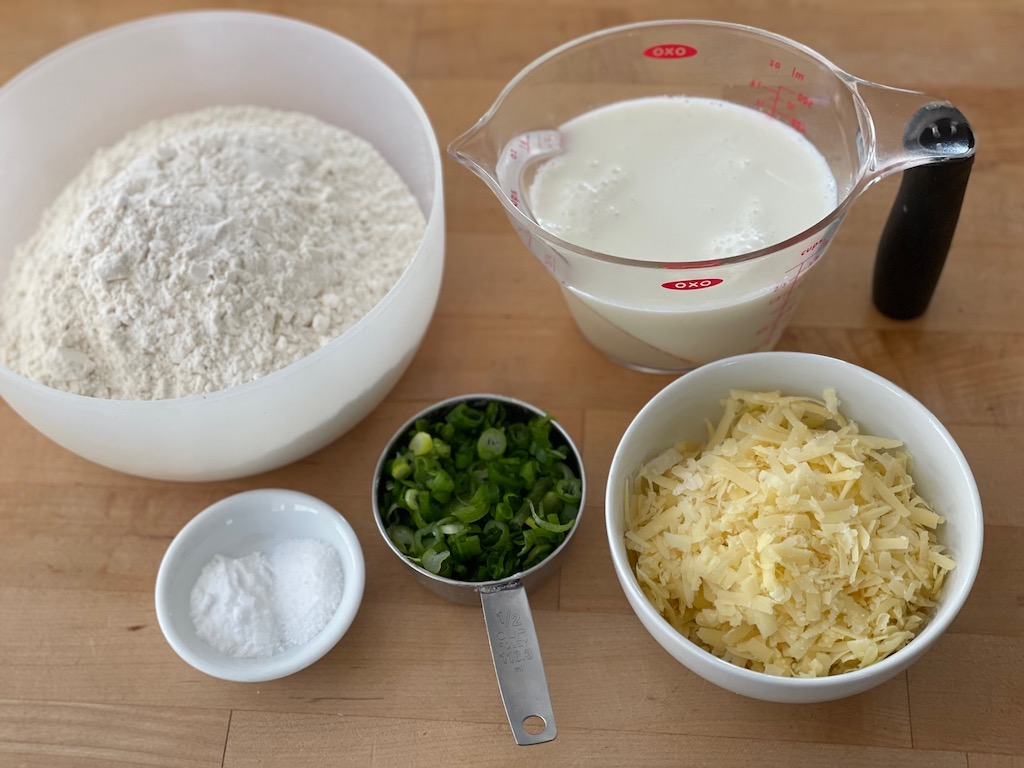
670 51
692 285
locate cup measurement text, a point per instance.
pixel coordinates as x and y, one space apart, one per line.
511 644
781 101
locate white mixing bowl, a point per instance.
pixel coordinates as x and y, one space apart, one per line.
941 475
87 95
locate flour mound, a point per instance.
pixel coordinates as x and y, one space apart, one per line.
204 251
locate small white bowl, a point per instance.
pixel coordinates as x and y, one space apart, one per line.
237 526
940 472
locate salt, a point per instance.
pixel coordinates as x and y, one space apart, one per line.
308 580
262 604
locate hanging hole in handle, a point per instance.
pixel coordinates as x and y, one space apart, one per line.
534 725
939 129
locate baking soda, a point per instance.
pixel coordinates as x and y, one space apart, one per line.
262 604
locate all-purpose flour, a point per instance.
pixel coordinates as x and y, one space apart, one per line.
203 251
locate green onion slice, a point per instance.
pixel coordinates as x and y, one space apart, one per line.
479 495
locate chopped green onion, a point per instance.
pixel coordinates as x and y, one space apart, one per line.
569 489
490 444
440 484
552 524
518 435
400 468
537 554
433 559
426 538
402 537
421 444
478 495
528 471
467 546
470 513
452 527
495 534
465 417
550 504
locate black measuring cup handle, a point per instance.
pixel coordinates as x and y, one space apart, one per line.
918 233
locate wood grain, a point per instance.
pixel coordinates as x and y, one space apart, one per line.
86 678
56 734
313 739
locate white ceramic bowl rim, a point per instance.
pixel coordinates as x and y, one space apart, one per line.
950 604
293 659
129 27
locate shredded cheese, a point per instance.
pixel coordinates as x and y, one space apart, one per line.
790 543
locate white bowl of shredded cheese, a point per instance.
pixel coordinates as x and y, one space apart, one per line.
199 273
792 527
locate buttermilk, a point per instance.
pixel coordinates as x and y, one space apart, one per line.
682 179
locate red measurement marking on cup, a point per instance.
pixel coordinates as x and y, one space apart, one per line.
781 101
784 301
520 151
694 284
817 245
670 51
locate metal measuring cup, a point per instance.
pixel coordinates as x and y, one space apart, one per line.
515 650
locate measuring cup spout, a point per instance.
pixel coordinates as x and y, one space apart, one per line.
931 141
497 150
475 149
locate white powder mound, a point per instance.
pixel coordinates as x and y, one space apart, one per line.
308 587
233 607
204 251
261 604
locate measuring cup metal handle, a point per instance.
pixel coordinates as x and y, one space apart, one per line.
920 228
517 661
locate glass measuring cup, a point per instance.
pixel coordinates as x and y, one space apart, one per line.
689 308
